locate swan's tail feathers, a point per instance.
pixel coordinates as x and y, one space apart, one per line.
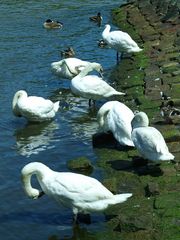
120 93
168 156
119 198
56 106
138 49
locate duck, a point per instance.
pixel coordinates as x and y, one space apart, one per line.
33 108
116 117
120 41
101 43
170 113
69 67
78 192
69 52
50 24
98 19
148 140
92 87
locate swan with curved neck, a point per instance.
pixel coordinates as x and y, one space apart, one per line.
33 108
148 140
120 41
92 87
81 193
116 117
69 67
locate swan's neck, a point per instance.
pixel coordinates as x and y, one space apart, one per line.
84 72
18 95
106 32
140 120
40 170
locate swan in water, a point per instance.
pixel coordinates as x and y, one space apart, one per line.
116 117
92 86
120 41
81 193
49 24
34 109
148 140
68 68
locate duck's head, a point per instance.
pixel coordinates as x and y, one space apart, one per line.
48 21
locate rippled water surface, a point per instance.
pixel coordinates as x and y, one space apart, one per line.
27 50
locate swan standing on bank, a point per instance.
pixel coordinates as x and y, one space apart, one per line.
81 193
116 117
148 140
120 41
69 67
92 87
34 109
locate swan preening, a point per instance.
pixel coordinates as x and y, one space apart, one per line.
81 193
148 140
120 41
68 68
50 24
116 117
33 108
92 87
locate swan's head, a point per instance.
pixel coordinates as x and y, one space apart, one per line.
38 169
17 96
107 26
140 120
96 66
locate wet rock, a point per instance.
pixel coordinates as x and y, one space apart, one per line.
80 165
152 189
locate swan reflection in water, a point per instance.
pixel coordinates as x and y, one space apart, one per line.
34 138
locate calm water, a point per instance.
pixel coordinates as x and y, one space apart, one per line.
27 50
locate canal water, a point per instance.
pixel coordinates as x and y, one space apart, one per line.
27 50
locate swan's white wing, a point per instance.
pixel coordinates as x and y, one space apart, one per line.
148 140
37 105
79 187
95 86
122 39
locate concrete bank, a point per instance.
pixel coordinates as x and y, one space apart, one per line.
151 79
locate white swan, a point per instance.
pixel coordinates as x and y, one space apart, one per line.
69 67
81 193
120 41
34 109
148 140
116 117
92 86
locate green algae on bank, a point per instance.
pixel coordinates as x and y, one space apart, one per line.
153 210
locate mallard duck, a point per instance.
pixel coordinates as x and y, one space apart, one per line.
49 24
120 41
102 43
69 52
78 192
98 19
116 117
148 140
33 108
69 67
92 86
170 113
